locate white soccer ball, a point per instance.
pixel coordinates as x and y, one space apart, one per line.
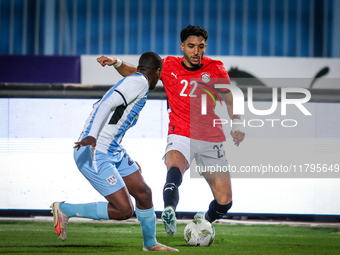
199 233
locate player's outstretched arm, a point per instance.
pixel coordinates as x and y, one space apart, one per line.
237 132
123 68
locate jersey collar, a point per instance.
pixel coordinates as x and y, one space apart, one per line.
146 77
191 68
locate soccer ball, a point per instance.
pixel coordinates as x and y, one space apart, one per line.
199 233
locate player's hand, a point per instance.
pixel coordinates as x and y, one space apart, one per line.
139 167
238 137
105 60
89 140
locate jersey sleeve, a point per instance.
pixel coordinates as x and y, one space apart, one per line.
165 61
223 77
128 90
131 88
106 106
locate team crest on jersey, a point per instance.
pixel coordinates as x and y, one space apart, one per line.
205 77
112 180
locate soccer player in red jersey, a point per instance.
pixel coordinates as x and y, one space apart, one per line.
192 133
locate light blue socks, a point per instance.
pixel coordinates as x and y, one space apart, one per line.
96 211
147 219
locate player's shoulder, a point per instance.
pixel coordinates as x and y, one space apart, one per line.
209 61
172 60
171 64
134 80
136 76
214 66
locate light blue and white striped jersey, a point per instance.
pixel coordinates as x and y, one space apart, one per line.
109 120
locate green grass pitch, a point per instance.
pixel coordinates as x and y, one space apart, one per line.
17 237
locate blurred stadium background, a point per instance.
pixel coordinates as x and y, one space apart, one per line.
294 28
49 79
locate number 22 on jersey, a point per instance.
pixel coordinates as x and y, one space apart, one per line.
185 85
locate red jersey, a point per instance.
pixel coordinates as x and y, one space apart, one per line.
185 88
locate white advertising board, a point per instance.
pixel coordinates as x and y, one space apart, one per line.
37 167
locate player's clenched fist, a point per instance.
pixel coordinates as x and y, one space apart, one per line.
238 136
105 60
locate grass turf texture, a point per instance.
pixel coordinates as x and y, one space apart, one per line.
17 237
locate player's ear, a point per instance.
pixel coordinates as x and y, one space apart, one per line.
157 73
182 46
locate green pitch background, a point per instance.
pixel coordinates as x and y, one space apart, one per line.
18 237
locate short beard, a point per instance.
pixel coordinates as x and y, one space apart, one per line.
195 65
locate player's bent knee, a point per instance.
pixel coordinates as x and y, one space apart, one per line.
224 200
127 213
144 192
147 191
176 159
121 211
145 198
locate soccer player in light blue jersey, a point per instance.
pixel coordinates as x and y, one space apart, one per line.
104 162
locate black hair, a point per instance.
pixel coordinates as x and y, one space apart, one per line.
149 62
193 30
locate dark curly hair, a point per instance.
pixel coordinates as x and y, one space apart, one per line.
149 62
193 30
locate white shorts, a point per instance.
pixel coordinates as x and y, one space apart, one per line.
206 154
